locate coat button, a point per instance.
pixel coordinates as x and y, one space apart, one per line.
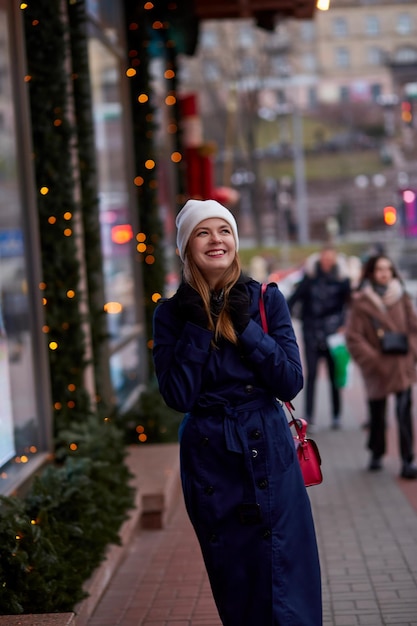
254 453
263 484
266 534
249 389
256 434
209 490
204 441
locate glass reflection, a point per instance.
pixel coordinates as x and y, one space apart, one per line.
19 427
116 230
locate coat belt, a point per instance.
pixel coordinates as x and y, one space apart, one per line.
236 441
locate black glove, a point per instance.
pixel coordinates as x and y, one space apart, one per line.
239 307
191 306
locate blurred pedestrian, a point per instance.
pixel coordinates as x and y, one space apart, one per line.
242 483
320 301
382 304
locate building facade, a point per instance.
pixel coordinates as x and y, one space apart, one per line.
353 65
27 404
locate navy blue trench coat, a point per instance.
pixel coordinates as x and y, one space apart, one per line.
242 484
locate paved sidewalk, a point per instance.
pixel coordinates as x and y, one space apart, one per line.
366 527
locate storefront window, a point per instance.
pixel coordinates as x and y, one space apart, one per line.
116 229
19 425
107 14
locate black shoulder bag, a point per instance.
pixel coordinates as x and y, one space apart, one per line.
391 342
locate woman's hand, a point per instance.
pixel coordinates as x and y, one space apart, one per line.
239 307
191 306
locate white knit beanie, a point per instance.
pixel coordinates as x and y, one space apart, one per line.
195 211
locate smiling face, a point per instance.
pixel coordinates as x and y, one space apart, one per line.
213 248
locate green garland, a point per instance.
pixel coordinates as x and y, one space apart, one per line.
52 136
53 539
89 197
143 129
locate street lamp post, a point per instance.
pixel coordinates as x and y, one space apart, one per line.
301 203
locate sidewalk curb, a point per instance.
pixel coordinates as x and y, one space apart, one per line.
155 468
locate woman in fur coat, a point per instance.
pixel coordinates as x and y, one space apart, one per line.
381 304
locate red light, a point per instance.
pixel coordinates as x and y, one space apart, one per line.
406 112
122 233
390 215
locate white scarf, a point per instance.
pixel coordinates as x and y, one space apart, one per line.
394 292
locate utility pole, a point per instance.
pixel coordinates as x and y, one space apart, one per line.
301 203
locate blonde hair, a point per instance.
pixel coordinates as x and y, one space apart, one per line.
223 326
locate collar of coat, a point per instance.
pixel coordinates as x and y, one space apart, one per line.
393 294
340 271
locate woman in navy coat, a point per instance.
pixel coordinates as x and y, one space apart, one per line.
242 483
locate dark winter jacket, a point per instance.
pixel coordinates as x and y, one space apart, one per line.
241 480
320 300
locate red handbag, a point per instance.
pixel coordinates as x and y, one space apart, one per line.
307 451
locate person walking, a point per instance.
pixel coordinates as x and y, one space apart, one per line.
242 484
381 304
322 297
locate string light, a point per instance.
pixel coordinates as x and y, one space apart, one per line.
113 308
170 100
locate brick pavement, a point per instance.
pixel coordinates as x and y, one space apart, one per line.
367 533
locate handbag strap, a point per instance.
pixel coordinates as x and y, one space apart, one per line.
262 310
378 328
289 405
